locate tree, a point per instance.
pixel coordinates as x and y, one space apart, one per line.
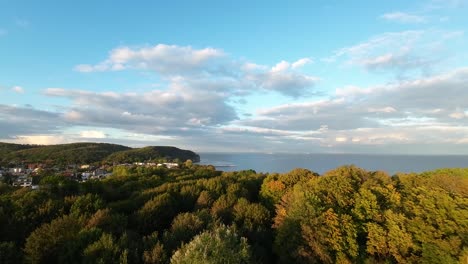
105 250
184 227
222 245
222 208
86 205
188 163
156 255
9 253
46 243
251 216
157 213
315 220
204 200
108 221
60 185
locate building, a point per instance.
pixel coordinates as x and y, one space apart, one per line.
168 165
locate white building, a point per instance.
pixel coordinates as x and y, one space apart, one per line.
168 165
86 175
16 170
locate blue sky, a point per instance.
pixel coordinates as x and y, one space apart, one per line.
266 76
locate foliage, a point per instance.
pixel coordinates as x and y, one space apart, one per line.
9 253
87 153
350 215
152 153
75 153
49 241
105 250
6 148
197 214
222 245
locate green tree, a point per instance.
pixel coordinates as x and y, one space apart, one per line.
105 250
9 253
47 243
86 205
107 221
222 245
188 163
56 184
156 255
184 227
157 213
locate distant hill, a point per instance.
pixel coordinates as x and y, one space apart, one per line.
6 148
151 153
83 153
75 153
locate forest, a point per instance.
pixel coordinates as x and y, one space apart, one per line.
196 214
87 152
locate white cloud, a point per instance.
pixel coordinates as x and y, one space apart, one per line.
195 103
280 66
43 139
3 32
284 65
341 139
412 50
85 68
387 109
92 134
288 83
15 120
301 62
164 59
17 89
408 112
399 61
249 66
186 66
402 17
457 115
151 112
396 116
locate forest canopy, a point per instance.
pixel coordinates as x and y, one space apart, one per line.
195 214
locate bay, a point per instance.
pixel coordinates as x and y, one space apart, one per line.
320 163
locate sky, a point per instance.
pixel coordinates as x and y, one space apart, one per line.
237 76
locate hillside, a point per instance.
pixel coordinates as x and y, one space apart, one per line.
151 153
6 148
82 153
64 153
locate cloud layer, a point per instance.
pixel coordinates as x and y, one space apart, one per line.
208 66
404 112
400 113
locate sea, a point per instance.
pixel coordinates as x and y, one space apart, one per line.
321 163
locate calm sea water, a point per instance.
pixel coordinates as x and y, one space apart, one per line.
323 162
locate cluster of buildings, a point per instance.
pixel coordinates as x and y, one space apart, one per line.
23 176
169 165
20 176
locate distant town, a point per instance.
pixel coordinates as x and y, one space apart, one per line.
28 175
26 165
